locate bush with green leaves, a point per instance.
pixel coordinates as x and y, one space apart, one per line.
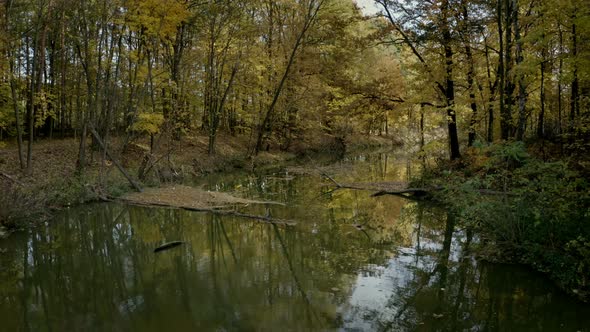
526 210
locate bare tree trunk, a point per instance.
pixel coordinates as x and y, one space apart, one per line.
31 101
81 163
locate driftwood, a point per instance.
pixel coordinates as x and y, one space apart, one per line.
232 213
406 192
168 245
425 191
121 169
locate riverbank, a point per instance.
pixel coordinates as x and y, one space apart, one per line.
526 210
55 183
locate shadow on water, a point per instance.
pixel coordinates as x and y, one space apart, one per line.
352 263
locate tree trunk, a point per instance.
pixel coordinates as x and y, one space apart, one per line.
470 77
19 129
492 91
312 11
506 110
541 123
559 85
521 85
81 163
501 71
450 84
575 94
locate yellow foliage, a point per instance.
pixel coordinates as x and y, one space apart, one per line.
157 18
148 123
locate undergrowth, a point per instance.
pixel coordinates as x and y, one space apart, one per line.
526 210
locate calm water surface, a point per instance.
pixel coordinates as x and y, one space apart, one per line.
352 263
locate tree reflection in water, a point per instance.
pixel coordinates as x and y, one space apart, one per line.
405 266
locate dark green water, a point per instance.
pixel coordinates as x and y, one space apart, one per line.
406 269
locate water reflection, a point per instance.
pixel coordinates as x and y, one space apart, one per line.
352 263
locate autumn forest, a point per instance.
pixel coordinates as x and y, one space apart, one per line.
479 106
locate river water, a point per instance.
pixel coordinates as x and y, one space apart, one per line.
352 263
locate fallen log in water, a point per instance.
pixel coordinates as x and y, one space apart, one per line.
401 189
382 188
232 213
404 192
168 245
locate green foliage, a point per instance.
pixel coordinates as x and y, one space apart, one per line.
508 156
580 250
526 210
6 110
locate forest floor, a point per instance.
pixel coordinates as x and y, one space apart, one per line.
54 182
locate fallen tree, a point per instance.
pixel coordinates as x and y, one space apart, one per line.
401 189
199 200
383 188
232 213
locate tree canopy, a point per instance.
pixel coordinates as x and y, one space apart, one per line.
276 70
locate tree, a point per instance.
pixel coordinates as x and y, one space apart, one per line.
309 9
417 22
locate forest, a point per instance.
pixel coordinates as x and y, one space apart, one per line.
498 70
489 100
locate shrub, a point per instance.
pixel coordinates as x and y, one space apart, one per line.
18 206
538 212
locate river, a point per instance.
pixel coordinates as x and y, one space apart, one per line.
352 263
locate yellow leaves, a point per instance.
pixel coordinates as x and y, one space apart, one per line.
157 18
148 123
42 100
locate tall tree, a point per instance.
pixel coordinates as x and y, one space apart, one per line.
310 10
416 26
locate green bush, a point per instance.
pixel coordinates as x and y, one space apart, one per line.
526 210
